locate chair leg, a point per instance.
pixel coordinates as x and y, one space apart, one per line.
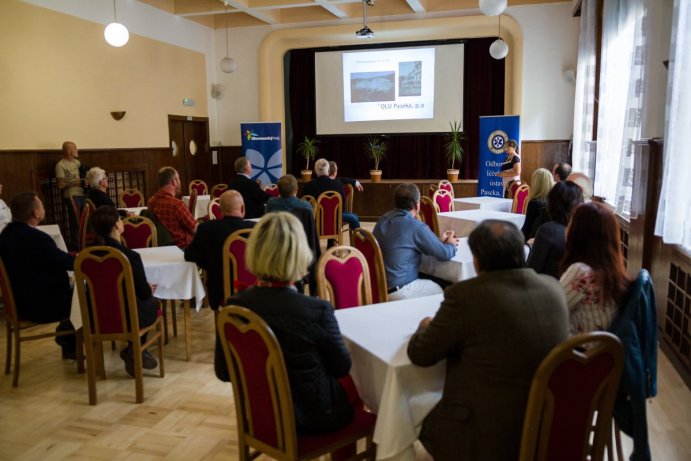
164 309
161 368
174 316
91 371
188 330
8 358
17 342
138 372
617 440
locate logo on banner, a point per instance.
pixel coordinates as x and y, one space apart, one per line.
249 134
496 141
253 136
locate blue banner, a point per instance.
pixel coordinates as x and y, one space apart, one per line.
261 144
495 131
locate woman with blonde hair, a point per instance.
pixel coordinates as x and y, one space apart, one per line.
306 328
541 182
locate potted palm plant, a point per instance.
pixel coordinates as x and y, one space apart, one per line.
453 149
375 149
308 150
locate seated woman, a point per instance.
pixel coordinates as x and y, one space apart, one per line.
550 238
98 180
541 182
108 228
306 328
595 278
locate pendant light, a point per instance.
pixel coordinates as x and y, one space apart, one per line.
115 33
492 7
227 64
499 48
365 32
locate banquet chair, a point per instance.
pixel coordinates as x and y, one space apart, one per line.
428 214
272 190
447 186
312 201
569 411
520 199
365 242
236 277
215 209
104 282
131 198
86 232
349 193
512 187
192 204
329 216
198 185
218 189
139 232
19 330
444 200
263 402
343 277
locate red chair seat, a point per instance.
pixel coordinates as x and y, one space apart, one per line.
362 423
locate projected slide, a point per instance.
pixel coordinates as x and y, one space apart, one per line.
388 85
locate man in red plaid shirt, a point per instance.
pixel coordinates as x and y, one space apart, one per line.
171 211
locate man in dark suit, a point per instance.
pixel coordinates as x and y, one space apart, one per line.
251 192
322 183
207 245
493 331
37 269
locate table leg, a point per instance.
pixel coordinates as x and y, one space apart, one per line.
188 330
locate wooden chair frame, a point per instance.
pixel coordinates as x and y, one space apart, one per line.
130 193
313 202
541 411
440 194
213 203
127 303
341 254
520 201
140 221
349 195
195 185
218 190
288 443
444 184
86 235
231 262
428 214
321 217
362 238
16 327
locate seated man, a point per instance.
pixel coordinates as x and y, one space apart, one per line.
170 211
206 248
98 180
251 192
288 201
403 240
493 331
561 171
333 174
37 269
322 183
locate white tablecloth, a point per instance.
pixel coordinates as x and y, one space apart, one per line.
201 208
401 393
165 267
463 222
135 211
460 267
483 203
54 231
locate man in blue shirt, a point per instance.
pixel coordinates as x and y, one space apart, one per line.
288 201
403 240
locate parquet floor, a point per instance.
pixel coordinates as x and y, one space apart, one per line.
189 414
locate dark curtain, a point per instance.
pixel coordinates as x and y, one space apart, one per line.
418 156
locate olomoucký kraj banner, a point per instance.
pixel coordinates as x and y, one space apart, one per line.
495 131
261 144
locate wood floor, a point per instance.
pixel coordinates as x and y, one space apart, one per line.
189 414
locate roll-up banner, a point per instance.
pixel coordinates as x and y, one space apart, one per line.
495 131
261 144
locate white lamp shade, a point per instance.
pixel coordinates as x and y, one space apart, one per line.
116 34
498 49
228 65
492 7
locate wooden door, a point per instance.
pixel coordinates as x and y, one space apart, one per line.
193 158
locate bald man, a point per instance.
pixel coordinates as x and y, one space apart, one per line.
206 247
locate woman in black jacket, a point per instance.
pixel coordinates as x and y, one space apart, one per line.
306 328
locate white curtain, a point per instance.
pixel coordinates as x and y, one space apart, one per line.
674 212
622 74
582 157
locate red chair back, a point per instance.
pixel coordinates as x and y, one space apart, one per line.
343 277
139 232
569 411
86 233
446 185
199 186
428 214
218 190
329 215
349 192
444 200
365 242
215 209
131 198
520 199
272 190
236 277
512 187
313 202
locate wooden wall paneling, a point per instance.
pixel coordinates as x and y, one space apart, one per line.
226 161
542 154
